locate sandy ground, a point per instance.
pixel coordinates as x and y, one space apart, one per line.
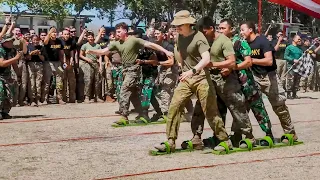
76 141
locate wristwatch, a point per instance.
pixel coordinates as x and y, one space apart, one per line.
194 70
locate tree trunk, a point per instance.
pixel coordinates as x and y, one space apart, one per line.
213 8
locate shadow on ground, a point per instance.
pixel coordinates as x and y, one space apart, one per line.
27 116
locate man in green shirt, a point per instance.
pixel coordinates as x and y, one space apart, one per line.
128 47
6 81
292 53
225 80
193 49
91 68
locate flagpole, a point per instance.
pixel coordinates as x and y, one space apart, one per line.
259 16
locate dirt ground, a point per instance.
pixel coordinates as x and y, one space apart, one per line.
76 141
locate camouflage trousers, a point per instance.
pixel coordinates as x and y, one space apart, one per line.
7 91
308 82
20 75
281 70
165 85
107 79
69 85
52 68
270 85
205 92
147 91
293 81
92 79
35 76
118 80
130 89
254 99
229 91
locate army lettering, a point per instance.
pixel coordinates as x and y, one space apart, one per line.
255 52
56 46
67 47
283 45
103 44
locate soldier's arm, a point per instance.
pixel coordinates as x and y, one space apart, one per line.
4 30
104 51
230 59
6 63
170 61
245 51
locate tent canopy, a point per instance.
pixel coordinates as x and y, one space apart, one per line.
310 7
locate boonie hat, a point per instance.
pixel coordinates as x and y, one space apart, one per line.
183 17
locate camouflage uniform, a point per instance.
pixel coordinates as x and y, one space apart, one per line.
6 86
52 68
22 80
149 74
70 81
91 77
35 75
249 87
229 90
107 80
130 89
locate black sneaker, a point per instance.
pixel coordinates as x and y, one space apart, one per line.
117 112
6 116
156 117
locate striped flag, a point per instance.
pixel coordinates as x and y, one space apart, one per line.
310 7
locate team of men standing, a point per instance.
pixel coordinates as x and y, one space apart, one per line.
223 70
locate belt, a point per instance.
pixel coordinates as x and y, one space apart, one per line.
215 71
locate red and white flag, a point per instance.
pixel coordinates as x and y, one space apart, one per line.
310 7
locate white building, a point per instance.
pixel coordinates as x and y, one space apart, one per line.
41 23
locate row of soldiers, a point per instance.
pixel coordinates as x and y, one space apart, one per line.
51 61
222 70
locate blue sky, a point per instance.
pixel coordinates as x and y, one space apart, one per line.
96 22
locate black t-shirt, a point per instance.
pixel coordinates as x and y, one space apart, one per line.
147 70
68 46
162 56
282 47
259 47
103 42
35 58
52 50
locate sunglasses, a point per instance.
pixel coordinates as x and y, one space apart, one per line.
72 31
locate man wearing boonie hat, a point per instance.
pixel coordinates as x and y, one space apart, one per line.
6 81
193 48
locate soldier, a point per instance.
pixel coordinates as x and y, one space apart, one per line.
264 72
102 40
226 82
35 67
69 76
53 65
167 78
91 67
193 49
6 82
249 87
128 47
21 71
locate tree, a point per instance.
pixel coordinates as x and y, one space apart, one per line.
17 7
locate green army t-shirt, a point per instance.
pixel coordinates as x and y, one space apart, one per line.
88 46
129 49
221 48
191 48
